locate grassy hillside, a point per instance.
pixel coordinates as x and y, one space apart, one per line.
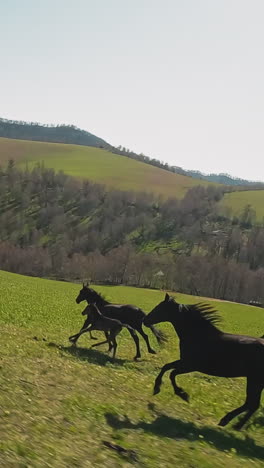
235 202
98 165
59 404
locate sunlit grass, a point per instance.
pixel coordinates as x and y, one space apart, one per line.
234 203
59 404
98 165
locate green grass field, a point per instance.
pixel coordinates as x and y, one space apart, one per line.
58 404
98 165
234 203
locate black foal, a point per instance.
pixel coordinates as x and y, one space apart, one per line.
97 321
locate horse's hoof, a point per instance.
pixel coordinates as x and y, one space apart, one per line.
222 422
156 390
238 426
151 351
185 396
136 358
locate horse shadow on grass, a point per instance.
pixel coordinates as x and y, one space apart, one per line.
89 354
259 419
166 426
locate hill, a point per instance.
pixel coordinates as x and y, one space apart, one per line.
71 134
225 179
59 404
51 133
233 204
98 165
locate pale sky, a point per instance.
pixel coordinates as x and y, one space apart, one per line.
179 80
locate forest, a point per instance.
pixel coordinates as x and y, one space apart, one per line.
55 226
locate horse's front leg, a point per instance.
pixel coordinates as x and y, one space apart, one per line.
73 339
158 381
84 329
178 368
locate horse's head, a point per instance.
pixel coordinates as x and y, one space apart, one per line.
84 294
92 311
160 313
86 310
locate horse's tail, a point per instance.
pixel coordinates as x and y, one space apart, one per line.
161 336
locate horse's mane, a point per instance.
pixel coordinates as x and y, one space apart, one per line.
97 294
203 313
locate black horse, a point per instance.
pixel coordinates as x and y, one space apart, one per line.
205 348
127 314
97 321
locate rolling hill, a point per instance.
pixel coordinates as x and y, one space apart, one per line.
234 203
99 165
70 134
51 133
59 404
120 172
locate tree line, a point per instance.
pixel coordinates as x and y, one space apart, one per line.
69 134
52 225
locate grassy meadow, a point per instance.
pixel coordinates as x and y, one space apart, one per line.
98 165
234 203
59 404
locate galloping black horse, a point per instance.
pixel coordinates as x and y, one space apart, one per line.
127 314
205 348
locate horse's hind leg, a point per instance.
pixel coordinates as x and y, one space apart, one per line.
136 339
99 344
250 406
102 342
112 339
254 391
114 346
109 342
232 414
146 338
